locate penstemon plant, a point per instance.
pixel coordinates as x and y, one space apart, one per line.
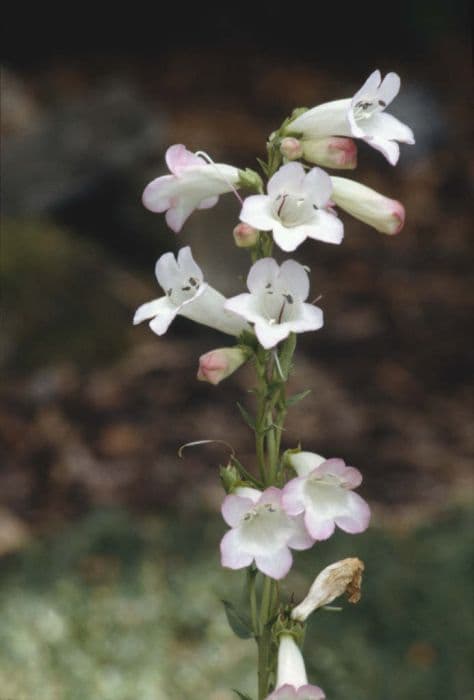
290 499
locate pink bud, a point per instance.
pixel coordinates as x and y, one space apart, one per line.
291 148
384 214
332 152
245 236
216 365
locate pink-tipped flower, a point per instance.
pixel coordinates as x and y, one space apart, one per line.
245 236
323 492
333 152
291 148
382 213
193 184
292 681
219 364
260 531
342 577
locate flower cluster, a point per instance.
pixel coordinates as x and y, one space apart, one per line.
299 497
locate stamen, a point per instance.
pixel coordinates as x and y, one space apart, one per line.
204 155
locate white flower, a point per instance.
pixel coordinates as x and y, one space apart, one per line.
322 491
361 116
292 681
342 577
384 214
276 301
188 295
294 208
261 532
193 184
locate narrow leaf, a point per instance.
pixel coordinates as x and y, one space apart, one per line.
291 400
239 622
246 416
241 695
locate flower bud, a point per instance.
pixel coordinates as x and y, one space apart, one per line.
245 236
332 152
291 148
218 364
384 214
342 577
250 180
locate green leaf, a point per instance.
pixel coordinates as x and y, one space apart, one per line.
246 416
291 400
264 167
239 622
241 695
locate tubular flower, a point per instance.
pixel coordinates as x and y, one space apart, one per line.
294 208
361 116
261 532
384 214
276 301
292 681
322 491
187 295
193 184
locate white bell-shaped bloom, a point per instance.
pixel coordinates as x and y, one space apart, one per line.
292 681
361 116
261 532
187 295
294 208
193 184
323 492
276 301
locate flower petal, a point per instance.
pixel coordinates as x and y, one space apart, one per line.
311 319
233 554
167 271
209 202
177 215
179 158
326 227
310 692
293 498
318 529
358 515
150 309
288 239
275 564
263 272
245 305
301 539
305 462
383 126
287 179
317 184
162 321
269 334
234 508
389 88
295 278
188 267
257 212
390 149
158 193
369 88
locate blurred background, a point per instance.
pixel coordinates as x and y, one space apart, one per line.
109 572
